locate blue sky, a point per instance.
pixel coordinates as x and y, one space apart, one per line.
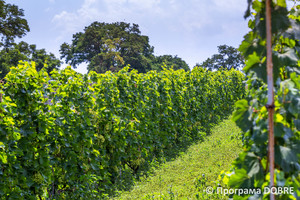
190 29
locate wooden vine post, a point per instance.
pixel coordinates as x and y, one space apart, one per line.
270 106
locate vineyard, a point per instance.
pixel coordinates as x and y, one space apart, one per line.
73 136
65 135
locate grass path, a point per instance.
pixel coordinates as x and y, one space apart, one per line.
198 167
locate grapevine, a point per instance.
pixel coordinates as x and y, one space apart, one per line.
72 136
251 168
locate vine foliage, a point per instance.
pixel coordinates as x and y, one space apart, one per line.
250 169
73 136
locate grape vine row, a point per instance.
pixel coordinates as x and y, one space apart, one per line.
71 136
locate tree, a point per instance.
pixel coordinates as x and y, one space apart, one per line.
109 46
228 58
11 56
169 61
11 23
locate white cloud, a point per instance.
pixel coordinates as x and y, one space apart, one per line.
133 11
172 25
230 5
70 22
146 5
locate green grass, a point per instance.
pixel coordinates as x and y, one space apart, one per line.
187 175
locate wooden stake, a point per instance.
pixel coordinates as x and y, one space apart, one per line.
270 106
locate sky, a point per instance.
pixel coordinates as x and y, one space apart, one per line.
190 29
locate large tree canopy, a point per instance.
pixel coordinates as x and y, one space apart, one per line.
227 58
12 23
109 46
10 56
169 61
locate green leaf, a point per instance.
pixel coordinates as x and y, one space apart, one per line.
255 169
287 58
241 115
287 158
294 106
252 60
282 131
3 157
241 108
238 178
280 20
279 130
281 3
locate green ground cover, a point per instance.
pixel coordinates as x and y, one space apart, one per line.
193 170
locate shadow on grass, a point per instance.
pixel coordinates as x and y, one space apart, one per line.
129 177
